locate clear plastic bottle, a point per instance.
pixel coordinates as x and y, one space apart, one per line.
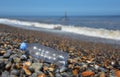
47 54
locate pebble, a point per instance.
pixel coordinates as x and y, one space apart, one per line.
117 73
2 65
17 60
41 75
65 74
8 65
6 55
17 63
88 73
15 72
75 72
51 69
5 74
23 57
96 67
58 75
2 52
112 73
57 70
85 65
117 66
37 66
31 69
103 69
13 76
62 69
28 63
34 75
27 71
51 74
45 68
102 74
72 60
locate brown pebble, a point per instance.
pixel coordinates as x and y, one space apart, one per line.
27 63
71 66
41 75
41 61
27 72
75 72
7 42
52 65
17 60
72 60
8 66
117 72
17 65
88 73
51 69
2 52
45 68
84 58
5 45
51 74
102 74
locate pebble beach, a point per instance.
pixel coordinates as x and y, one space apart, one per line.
86 59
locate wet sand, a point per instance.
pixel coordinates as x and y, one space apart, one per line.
103 55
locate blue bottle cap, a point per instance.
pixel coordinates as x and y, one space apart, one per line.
23 46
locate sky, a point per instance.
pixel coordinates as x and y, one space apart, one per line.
59 7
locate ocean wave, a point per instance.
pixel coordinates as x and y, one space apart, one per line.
102 33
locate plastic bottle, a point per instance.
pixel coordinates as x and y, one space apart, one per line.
47 54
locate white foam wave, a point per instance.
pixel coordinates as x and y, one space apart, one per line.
27 23
102 33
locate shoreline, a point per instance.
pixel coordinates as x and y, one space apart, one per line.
86 33
98 55
27 32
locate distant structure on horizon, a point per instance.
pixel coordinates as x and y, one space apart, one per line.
65 18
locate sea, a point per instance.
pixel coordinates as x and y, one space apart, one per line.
105 29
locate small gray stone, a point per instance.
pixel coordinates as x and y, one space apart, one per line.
58 75
6 55
15 72
37 66
5 74
46 64
66 75
57 70
23 57
102 69
62 69
112 73
34 75
2 65
13 76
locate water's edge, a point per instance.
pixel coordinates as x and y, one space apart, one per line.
68 34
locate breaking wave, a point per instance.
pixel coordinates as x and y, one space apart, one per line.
101 33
